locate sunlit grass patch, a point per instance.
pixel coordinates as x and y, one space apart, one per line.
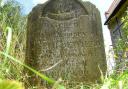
10 84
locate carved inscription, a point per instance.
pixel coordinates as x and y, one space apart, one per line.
66 41
65 37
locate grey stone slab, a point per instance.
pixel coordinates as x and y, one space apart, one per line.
67 36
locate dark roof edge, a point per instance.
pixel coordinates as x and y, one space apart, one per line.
115 11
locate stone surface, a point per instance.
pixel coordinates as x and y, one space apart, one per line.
64 40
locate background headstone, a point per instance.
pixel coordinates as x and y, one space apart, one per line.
64 40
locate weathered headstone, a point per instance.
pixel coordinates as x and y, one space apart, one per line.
64 40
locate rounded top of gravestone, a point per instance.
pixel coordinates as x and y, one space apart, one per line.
63 9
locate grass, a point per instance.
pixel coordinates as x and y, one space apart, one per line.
12 55
10 84
42 76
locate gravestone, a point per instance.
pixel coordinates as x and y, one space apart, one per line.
64 40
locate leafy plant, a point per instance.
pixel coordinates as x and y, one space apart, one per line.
10 84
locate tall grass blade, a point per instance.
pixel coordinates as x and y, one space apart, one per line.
8 42
120 85
31 69
9 37
44 77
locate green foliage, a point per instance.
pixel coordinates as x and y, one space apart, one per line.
122 43
120 78
42 76
116 81
12 39
10 84
10 14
